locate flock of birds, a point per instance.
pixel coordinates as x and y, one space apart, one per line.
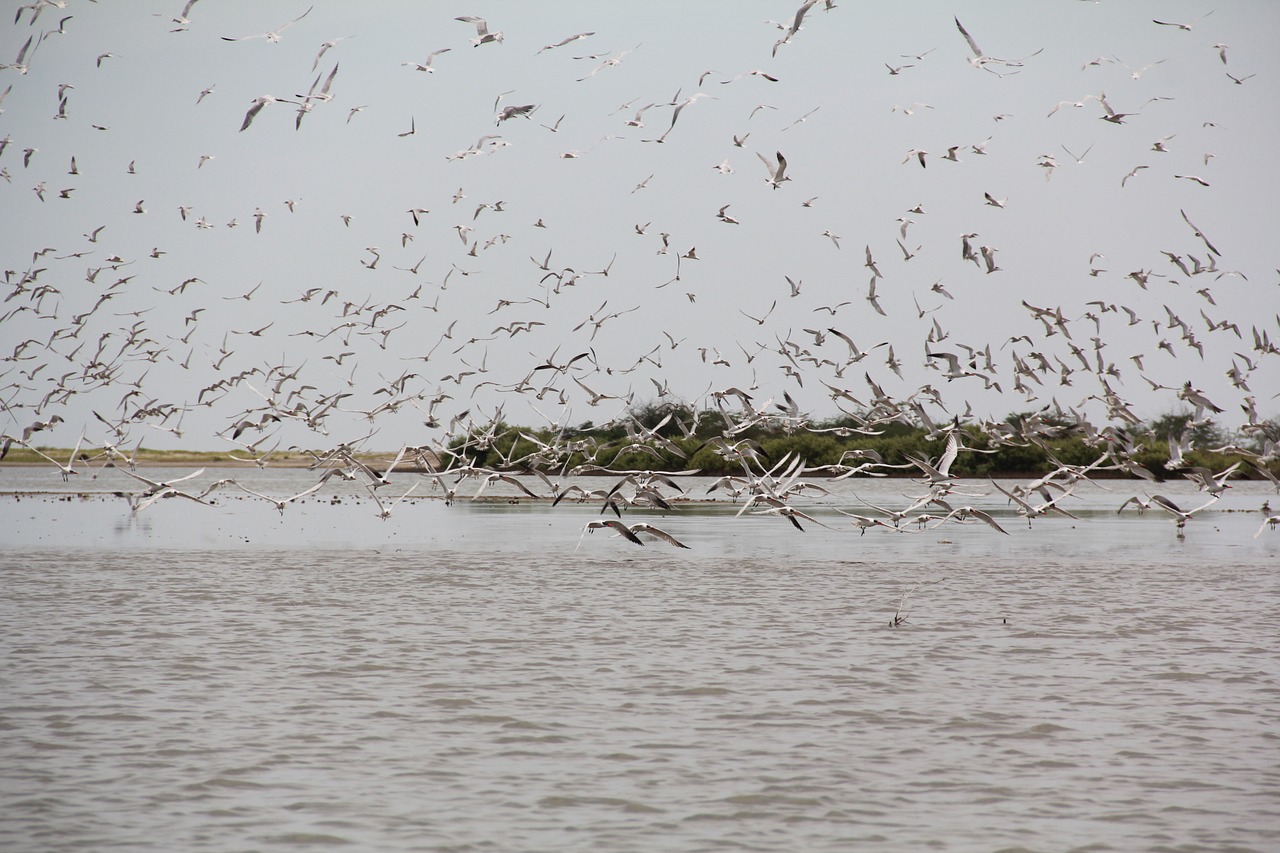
75 366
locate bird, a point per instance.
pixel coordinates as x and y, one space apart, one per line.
280 503
567 40
1140 503
981 60
483 36
324 48
1132 172
272 36
256 107
651 530
1184 27
1080 158
1270 521
612 524
426 66
1180 516
777 173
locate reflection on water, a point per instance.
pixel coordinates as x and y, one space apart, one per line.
460 678
341 515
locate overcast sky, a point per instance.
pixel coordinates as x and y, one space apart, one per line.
460 298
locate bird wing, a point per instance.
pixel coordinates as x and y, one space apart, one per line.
973 45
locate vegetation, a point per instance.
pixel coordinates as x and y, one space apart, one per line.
674 437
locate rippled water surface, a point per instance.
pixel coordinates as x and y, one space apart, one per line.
461 678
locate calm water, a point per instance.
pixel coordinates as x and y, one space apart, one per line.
460 678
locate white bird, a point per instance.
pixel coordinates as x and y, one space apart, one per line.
1134 171
980 59
565 41
777 173
483 36
1270 521
1080 158
675 115
66 470
256 107
613 524
384 510
1184 27
1181 516
280 503
616 59
274 35
426 66
643 527
324 48
1142 505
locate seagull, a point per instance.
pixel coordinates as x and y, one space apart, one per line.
1138 74
426 66
613 524
643 527
565 41
608 63
324 49
776 173
274 35
1199 233
1080 158
1181 516
513 111
258 104
676 114
752 73
279 503
1270 521
1184 27
980 59
1135 171
726 218
483 36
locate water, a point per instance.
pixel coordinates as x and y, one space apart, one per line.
460 678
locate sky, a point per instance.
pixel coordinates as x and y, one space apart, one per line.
420 266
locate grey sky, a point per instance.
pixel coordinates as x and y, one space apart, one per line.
831 113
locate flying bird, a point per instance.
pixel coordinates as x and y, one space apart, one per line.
483 36
274 35
777 173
